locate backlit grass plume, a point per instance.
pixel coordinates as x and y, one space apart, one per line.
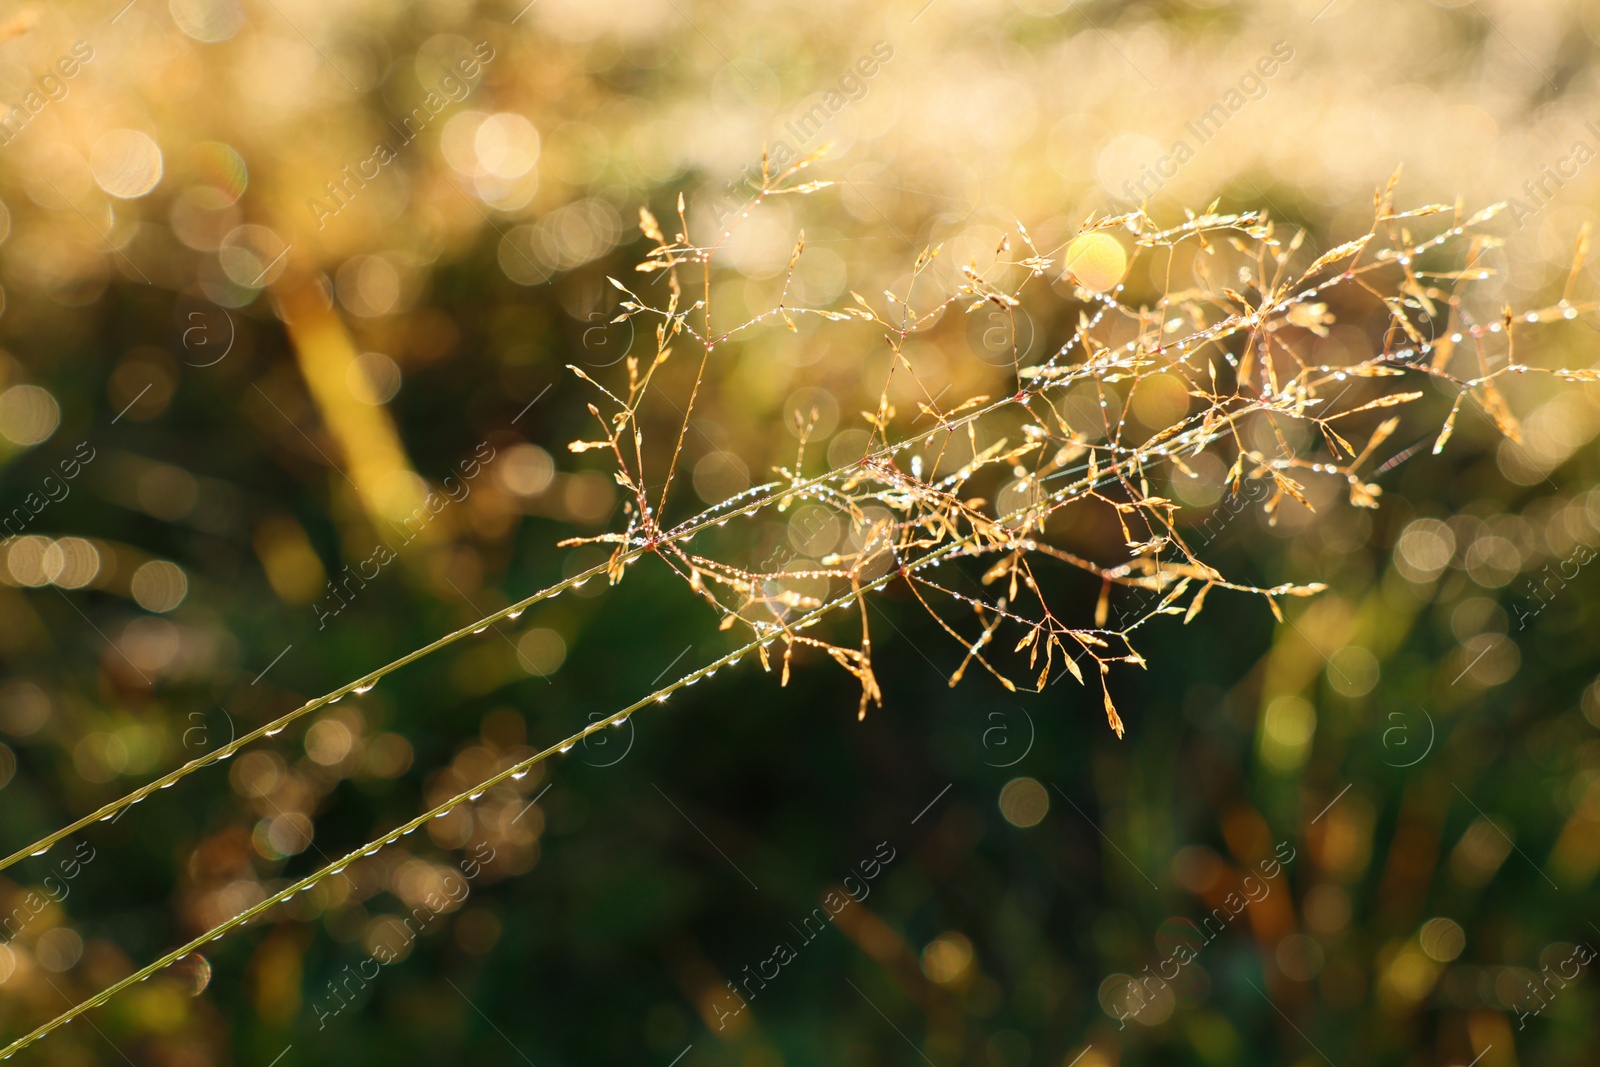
978 505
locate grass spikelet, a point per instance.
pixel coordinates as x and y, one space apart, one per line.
971 503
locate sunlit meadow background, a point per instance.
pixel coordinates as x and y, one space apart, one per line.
252 378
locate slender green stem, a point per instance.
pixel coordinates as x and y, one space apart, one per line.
516 770
1048 377
108 811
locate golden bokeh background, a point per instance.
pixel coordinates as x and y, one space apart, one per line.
277 276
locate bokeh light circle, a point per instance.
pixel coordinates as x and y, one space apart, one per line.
207 21
28 414
127 164
252 256
1024 802
159 585
373 378
1095 261
1442 939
